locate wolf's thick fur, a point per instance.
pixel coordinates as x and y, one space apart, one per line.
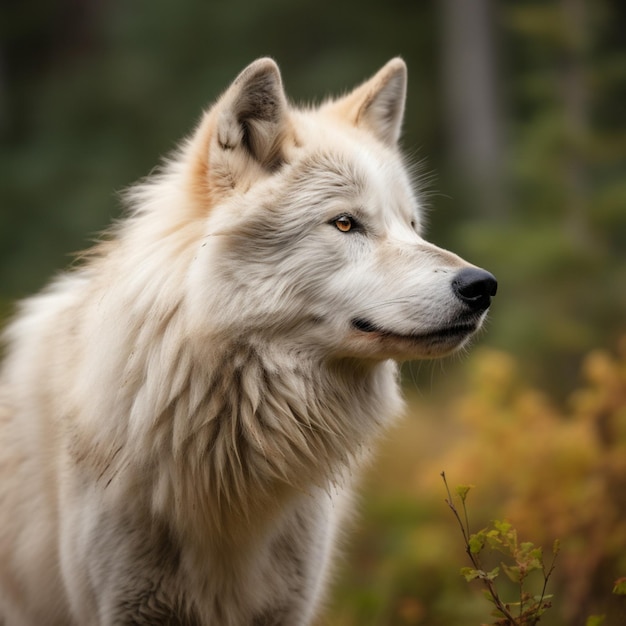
180 415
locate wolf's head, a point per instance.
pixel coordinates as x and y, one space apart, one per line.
311 230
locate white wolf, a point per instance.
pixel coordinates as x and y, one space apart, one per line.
180 414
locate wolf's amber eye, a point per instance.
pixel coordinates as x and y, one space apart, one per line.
344 223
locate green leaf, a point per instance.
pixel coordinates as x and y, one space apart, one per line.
595 620
513 605
463 490
494 540
544 597
502 526
535 560
476 543
470 573
493 574
512 572
488 596
620 587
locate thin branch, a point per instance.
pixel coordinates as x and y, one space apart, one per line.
450 503
546 576
474 558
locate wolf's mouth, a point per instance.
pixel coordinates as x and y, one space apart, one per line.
445 333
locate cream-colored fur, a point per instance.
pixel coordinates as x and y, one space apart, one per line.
180 415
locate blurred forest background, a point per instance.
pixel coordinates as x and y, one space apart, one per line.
517 113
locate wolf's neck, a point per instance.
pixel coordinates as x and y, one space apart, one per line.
248 424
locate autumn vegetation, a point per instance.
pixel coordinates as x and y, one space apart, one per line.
518 107
545 473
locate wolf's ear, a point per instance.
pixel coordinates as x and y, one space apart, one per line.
378 104
252 114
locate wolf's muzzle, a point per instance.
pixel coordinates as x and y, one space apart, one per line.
475 287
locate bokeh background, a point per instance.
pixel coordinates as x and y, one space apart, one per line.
517 115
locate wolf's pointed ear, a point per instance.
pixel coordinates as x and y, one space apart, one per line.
378 104
252 113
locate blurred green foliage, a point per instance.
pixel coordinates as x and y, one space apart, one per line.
93 93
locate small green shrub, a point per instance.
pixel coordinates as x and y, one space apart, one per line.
523 559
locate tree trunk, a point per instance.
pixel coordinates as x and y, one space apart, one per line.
574 94
472 108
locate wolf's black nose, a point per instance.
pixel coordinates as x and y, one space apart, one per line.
475 287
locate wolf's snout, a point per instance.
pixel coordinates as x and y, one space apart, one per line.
475 287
